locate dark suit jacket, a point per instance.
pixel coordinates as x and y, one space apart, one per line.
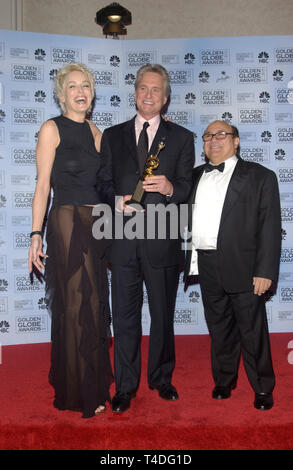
249 239
120 172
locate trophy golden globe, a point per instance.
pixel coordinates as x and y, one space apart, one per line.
151 164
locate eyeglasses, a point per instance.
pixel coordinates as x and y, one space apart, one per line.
220 135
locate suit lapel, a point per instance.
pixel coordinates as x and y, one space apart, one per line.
130 139
196 175
161 134
235 188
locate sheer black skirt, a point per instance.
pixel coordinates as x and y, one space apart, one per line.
78 299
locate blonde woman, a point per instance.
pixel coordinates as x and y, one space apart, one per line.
68 159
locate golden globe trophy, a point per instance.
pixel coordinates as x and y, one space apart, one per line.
151 164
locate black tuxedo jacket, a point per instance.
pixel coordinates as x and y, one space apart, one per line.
119 175
249 238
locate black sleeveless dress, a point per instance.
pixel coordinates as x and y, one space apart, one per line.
76 277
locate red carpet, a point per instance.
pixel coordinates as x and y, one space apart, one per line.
195 422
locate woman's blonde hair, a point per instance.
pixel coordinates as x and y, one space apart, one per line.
61 78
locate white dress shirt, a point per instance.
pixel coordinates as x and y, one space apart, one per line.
207 210
151 130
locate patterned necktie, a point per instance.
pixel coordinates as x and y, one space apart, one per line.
142 147
209 167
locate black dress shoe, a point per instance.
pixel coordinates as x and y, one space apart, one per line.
221 392
166 391
121 401
263 401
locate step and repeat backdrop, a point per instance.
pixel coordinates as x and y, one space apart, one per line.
246 81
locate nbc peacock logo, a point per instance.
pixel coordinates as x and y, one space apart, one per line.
4 326
278 75
3 285
42 303
115 100
264 97
189 58
263 57
227 117
190 98
129 79
280 154
40 54
266 136
204 77
40 96
114 61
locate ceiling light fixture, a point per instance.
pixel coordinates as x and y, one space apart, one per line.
113 19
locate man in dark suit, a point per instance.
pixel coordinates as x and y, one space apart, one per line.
147 258
235 226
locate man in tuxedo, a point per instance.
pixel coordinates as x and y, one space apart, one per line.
155 261
235 226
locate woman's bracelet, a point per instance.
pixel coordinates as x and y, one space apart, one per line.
36 232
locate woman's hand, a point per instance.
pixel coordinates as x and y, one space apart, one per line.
36 253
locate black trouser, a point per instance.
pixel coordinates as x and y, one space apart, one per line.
237 323
127 299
